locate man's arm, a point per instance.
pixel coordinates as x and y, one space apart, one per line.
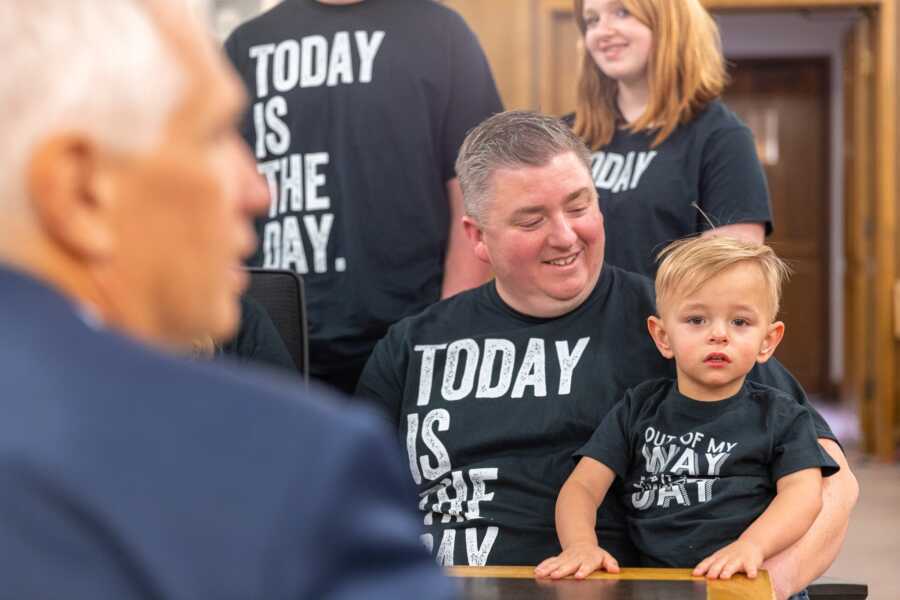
794 568
462 270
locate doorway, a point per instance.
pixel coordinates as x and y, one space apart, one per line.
785 102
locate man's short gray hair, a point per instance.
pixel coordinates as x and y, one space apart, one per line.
510 140
98 67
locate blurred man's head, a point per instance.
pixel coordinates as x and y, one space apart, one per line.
125 183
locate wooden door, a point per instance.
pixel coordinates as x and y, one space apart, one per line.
560 57
785 103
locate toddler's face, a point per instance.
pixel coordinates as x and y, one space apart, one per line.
719 332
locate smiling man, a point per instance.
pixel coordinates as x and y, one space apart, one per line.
125 472
492 391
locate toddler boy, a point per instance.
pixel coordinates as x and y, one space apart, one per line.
719 473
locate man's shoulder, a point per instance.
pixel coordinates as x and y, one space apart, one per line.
632 288
236 392
429 13
60 364
258 25
448 315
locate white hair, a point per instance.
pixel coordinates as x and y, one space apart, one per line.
98 67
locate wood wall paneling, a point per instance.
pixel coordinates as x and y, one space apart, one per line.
506 30
560 58
886 391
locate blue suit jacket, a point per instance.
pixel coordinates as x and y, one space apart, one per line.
126 474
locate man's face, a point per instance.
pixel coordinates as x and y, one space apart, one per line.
183 208
543 236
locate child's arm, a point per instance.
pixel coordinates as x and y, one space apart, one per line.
576 519
787 518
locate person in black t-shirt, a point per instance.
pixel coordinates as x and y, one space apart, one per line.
493 390
257 340
359 109
669 159
718 473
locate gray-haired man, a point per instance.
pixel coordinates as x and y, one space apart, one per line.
124 472
493 390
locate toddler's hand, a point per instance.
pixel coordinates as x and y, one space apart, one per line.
738 556
580 560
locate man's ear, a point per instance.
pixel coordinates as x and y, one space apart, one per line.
660 337
71 198
774 335
476 237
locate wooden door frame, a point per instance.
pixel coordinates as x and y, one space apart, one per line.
883 50
859 186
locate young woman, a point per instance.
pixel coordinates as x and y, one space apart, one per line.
670 159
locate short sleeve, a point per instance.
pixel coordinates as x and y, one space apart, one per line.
610 442
732 182
473 95
773 374
380 383
796 447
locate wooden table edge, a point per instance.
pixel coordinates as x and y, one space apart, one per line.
738 587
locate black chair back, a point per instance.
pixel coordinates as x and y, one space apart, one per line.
281 294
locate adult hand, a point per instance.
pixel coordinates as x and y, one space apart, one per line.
738 556
579 560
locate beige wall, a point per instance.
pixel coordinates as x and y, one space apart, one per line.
532 48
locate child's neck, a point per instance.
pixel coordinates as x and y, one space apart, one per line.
703 393
632 99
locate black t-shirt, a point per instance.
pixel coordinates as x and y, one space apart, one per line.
257 340
357 113
646 194
694 475
491 405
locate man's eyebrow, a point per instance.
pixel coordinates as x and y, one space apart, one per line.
528 210
577 194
